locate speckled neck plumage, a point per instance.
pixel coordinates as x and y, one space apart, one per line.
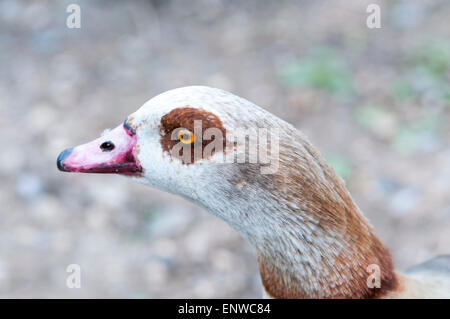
328 242
312 240
310 237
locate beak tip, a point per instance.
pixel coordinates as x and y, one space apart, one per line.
64 154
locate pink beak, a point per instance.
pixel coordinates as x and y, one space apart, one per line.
113 153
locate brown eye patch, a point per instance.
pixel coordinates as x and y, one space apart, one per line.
184 118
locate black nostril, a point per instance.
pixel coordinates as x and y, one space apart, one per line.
107 146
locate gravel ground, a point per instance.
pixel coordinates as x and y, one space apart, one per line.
374 101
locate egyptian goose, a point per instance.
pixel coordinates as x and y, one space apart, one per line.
311 239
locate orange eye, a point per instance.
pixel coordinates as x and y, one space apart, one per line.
186 136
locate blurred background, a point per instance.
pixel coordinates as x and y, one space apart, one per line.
376 103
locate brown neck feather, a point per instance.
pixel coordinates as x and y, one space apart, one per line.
323 284
328 252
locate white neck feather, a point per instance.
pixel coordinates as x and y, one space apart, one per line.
311 238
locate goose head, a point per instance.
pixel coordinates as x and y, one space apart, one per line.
256 172
181 141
